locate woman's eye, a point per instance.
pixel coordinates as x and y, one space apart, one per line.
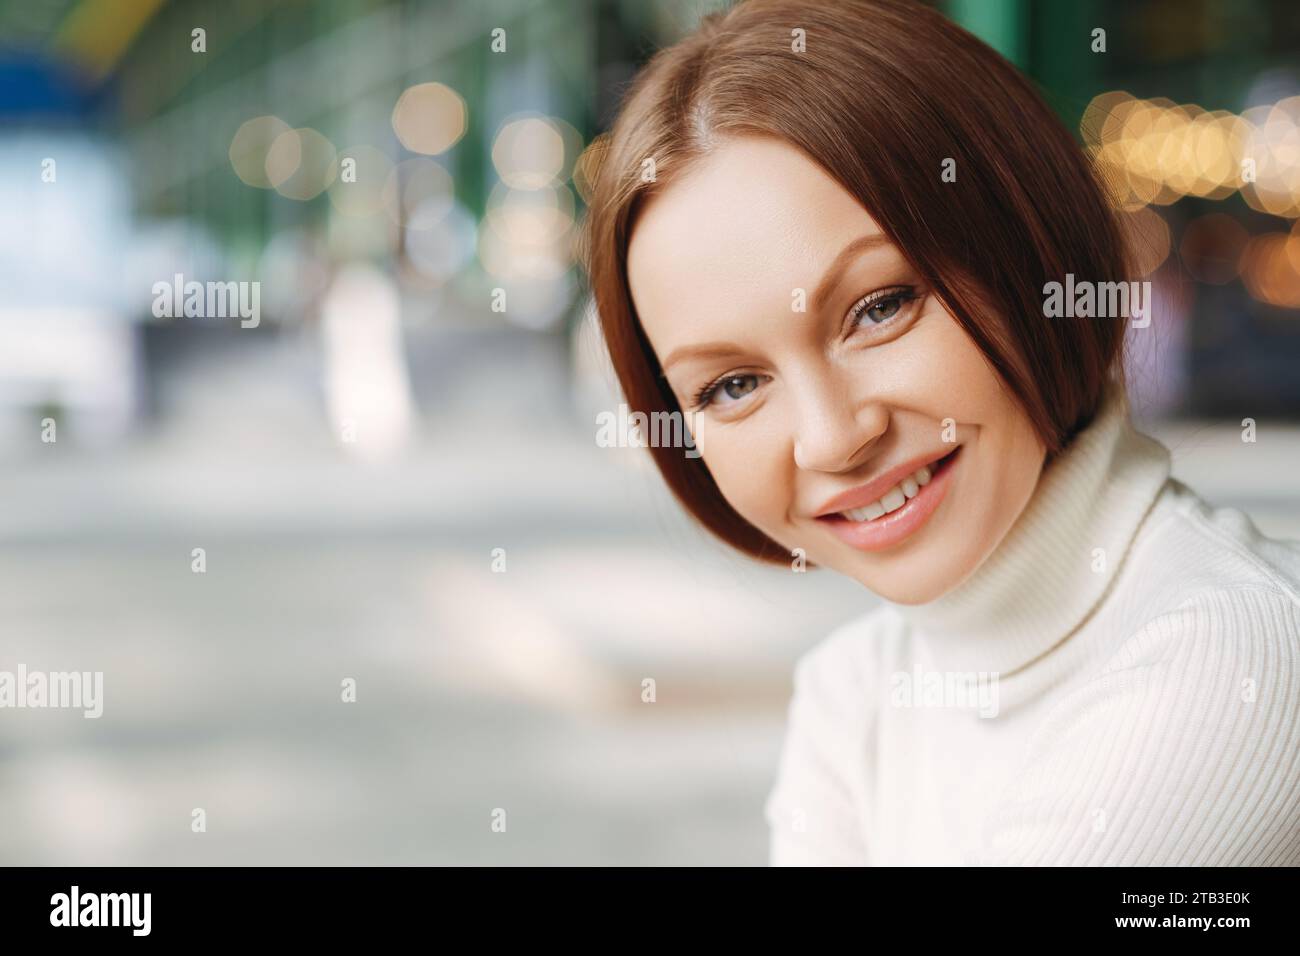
738 386
879 308
727 390
884 309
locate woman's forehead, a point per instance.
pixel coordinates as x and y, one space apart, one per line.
744 227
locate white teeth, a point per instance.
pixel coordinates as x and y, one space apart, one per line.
894 498
869 513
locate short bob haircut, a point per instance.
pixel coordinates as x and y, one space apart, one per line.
1025 208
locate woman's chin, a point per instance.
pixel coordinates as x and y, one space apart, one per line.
910 591
923 576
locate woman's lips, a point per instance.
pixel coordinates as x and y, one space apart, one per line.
889 529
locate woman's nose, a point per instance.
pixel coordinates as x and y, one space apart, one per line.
834 433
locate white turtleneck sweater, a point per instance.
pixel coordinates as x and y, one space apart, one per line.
1145 712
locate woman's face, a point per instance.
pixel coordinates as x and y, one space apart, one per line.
839 407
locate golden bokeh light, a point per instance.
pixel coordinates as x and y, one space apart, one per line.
301 163
528 153
1155 152
283 158
528 233
1270 268
1103 109
1148 238
429 118
250 146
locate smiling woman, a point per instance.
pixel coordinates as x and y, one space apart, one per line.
879 103
816 418
920 425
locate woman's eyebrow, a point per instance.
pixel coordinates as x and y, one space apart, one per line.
707 350
832 277
824 289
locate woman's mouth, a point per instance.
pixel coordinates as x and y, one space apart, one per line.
897 513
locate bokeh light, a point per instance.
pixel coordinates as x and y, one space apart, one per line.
526 233
1270 268
1148 237
250 146
429 118
1155 152
301 163
528 153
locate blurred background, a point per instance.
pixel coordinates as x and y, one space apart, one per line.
392 474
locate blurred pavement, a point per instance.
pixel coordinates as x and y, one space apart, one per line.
476 690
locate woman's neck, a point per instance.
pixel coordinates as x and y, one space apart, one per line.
1058 559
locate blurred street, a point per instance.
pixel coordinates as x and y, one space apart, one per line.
475 690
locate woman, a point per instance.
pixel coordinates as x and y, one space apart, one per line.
824 231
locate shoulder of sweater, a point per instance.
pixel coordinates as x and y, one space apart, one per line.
1187 547
1218 644
1197 704
1203 584
1214 639
1224 649
1207 612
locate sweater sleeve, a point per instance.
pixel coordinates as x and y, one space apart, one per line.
1184 750
814 809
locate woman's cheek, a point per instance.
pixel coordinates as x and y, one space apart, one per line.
749 473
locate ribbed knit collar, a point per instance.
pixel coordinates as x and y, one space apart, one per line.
1046 576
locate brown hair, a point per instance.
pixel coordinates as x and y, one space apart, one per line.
1025 208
